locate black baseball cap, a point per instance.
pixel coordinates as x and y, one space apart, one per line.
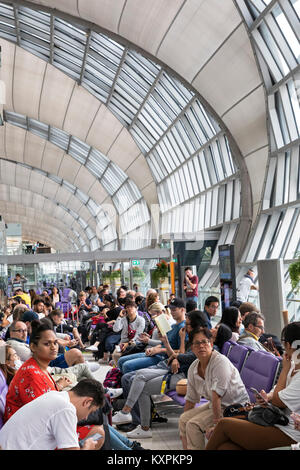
29 315
177 303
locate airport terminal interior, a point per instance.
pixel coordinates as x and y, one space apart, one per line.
150 223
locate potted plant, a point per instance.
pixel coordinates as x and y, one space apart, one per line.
116 274
161 272
294 272
138 273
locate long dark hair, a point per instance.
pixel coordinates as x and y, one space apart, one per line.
224 334
229 317
8 371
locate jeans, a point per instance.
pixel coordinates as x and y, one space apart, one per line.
111 341
137 361
126 382
118 441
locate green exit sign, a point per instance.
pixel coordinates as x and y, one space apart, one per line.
135 262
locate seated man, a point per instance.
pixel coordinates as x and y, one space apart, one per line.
66 358
254 328
50 421
17 340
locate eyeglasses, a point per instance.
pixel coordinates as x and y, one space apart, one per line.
21 331
260 327
204 342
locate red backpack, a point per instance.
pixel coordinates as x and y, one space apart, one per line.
113 378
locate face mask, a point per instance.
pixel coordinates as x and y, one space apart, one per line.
18 364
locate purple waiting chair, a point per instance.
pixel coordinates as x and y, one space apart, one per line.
260 371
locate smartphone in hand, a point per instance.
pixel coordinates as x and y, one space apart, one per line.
259 395
95 437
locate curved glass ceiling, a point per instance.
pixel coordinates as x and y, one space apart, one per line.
275 33
183 144
13 193
119 186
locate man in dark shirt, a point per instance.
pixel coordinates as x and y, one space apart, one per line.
210 308
190 285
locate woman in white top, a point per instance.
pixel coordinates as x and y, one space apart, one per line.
236 434
215 378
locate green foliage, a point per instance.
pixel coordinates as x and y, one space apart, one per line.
115 274
294 272
160 271
138 273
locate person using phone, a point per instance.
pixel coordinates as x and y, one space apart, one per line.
50 421
236 434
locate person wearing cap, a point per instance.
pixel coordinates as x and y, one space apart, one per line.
246 285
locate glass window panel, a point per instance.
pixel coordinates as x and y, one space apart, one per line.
79 150
294 91
198 173
82 196
70 187
274 49
97 162
236 200
38 128
287 31
210 164
214 207
139 138
16 119
184 138
221 204
176 151
228 204
149 129
208 198
120 112
272 62
59 138
188 181
173 159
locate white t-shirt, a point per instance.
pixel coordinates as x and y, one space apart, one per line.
221 376
244 289
290 396
46 423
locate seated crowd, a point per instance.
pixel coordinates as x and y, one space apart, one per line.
48 390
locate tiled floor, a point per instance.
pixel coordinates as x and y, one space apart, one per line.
165 436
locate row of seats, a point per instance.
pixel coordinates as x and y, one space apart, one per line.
258 369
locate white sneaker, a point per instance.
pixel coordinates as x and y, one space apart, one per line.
139 433
93 366
114 392
121 418
91 348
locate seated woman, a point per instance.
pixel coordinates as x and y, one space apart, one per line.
231 317
220 334
9 362
100 343
55 296
33 379
138 386
213 377
236 434
151 345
